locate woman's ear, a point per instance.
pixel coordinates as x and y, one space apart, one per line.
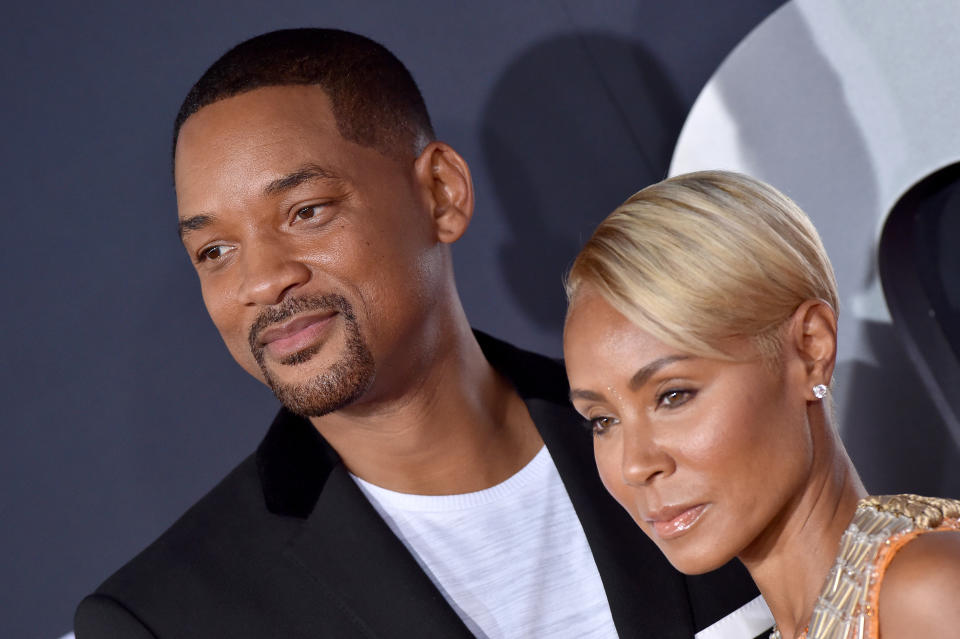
812 334
445 179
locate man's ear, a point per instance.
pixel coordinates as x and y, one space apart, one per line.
445 179
812 334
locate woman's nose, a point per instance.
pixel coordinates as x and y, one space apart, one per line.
643 458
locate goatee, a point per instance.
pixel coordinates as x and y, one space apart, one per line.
346 380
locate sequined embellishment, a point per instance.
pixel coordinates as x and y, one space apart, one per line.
846 608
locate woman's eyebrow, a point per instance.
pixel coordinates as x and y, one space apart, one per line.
586 394
641 376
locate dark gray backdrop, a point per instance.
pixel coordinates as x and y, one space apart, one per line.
121 406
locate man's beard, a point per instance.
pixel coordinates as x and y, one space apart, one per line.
338 386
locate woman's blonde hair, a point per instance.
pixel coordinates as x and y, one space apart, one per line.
707 256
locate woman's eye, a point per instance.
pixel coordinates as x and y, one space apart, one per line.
674 398
309 212
213 253
599 425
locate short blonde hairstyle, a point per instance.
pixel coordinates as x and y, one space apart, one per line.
707 256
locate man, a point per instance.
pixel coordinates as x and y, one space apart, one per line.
404 490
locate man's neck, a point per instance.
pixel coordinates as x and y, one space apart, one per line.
457 427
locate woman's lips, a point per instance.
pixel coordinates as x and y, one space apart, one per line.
295 335
673 522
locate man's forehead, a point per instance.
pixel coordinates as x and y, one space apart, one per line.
259 117
258 136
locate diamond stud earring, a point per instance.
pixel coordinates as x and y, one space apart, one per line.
819 391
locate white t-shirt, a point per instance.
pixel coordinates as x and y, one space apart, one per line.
512 560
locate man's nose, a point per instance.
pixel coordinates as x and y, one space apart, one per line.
270 273
644 460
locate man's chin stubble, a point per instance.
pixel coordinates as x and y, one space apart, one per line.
347 379
337 387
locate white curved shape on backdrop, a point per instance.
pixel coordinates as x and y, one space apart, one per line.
843 105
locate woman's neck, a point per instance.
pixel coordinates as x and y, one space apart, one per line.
791 559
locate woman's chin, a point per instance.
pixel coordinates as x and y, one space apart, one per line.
690 561
700 548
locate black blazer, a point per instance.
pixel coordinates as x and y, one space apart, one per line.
287 546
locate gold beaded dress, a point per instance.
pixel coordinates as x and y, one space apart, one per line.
847 606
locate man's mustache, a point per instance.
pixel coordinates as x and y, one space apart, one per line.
294 306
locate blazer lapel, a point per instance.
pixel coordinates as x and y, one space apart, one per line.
350 550
342 543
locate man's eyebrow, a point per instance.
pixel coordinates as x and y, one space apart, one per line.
193 223
305 173
641 376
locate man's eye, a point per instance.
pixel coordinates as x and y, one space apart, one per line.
212 253
309 212
674 398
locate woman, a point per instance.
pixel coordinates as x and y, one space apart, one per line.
700 344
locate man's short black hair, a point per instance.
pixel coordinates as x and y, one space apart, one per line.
374 98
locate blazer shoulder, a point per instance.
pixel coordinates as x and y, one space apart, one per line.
534 376
230 520
101 617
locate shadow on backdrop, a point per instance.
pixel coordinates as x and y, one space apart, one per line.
796 129
895 436
573 126
920 269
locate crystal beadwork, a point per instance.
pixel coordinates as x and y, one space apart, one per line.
846 608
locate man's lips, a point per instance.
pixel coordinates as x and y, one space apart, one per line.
673 521
295 334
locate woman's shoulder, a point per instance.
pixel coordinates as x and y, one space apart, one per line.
918 595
